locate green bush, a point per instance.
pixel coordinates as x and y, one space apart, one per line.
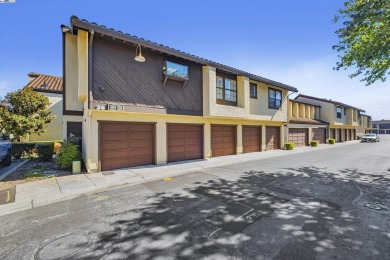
45 151
67 154
314 143
20 150
331 141
289 146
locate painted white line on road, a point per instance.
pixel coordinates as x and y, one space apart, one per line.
13 169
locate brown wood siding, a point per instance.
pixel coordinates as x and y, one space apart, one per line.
125 145
319 134
251 139
298 136
223 140
185 142
118 78
272 138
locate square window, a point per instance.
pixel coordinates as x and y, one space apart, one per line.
274 98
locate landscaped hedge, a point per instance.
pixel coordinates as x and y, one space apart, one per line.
67 154
331 141
314 143
45 151
20 150
289 146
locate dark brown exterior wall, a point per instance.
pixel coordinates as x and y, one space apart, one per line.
118 78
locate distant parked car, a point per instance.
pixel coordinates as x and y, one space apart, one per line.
5 150
370 138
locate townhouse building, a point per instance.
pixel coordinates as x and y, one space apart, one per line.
365 124
143 103
380 127
304 124
342 118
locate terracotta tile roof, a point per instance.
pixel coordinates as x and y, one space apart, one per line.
300 120
84 24
45 83
328 101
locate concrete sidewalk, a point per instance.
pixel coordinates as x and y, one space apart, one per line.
38 193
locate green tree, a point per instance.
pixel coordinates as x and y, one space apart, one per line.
25 112
364 39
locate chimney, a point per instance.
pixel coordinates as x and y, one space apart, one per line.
32 76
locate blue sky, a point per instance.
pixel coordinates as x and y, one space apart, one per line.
287 41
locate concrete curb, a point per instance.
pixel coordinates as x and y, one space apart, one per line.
88 184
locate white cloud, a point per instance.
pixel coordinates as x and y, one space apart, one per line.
317 78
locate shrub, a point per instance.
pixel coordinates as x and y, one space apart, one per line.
57 147
20 150
67 155
289 146
45 151
314 143
331 141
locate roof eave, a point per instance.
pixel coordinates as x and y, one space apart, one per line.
76 22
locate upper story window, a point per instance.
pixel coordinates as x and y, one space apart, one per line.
253 90
345 111
226 91
176 70
274 98
338 112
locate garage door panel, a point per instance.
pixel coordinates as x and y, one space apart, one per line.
298 136
122 144
116 153
251 139
176 135
319 135
139 135
114 136
185 142
272 138
140 143
223 140
114 128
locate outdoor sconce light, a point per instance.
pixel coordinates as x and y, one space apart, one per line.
138 54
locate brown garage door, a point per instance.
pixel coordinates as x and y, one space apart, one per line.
272 137
185 142
298 136
223 140
126 145
251 136
332 134
340 135
319 135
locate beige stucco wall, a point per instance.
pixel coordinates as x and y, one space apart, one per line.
91 141
328 110
54 129
247 107
71 74
82 56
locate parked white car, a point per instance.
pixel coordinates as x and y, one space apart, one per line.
370 138
5 150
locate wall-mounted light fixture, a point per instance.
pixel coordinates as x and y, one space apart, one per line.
138 54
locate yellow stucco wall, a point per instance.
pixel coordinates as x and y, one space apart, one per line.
71 74
91 154
54 129
82 56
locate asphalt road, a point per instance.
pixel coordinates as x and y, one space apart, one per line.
326 204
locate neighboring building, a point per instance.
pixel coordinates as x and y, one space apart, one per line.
305 124
342 118
365 124
380 127
172 107
51 87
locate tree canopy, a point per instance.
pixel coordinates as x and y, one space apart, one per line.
25 112
364 39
